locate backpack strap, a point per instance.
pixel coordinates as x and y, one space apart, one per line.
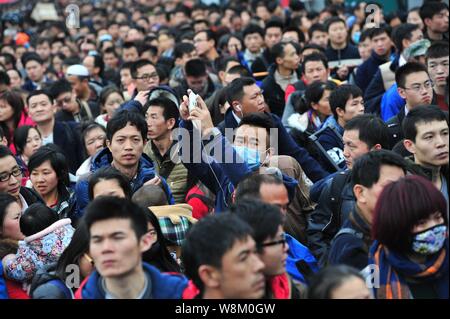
337 186
350 231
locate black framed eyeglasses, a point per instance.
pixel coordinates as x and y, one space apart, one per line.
16 172
274 243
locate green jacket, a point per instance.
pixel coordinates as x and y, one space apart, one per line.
176 175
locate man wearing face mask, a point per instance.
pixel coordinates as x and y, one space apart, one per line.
222 165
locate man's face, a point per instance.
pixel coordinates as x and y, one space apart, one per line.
157 125
43 50
272 36
35 71
8 165
353 147
114 248
130 54
123 31
253 42
186 57
253 137
41 109
89 63
147 78
365 49
126 146
241 275
125 77
111 61
438 70
252 101
315 71
388 174
67 102
431 145
197 83
319 38
416 35
338 33
275 194
418 89
77 85
439 22
290 36
381 44
201 43
274 256
291 59
353 107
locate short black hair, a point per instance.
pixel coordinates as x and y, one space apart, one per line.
333 20
36 218
31 56
316 57
277 50
431 8
372 130
60 87
340 96
253 28
4 78
274 23
195 68
58 162
235 90
301 36
262 120
209 240
106 174
249 187
108 207
265 219
409 68
124 117
21 136
439 49
365 34
182 48
239 69
39 92
222 62
209 35
366 169
402 32
5 151
137 65
170 109
380 30
421 114
312 46
316 27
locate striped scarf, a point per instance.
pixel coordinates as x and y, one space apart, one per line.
393 268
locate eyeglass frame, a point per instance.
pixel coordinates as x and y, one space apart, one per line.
147 77
422 85
274 243
17 169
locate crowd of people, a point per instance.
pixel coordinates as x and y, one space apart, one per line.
247 149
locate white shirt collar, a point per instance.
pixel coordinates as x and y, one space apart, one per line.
238 120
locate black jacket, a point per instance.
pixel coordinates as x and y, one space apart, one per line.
368 69
262 63
350 52
67 136
395 128
30 196
66 116
351 244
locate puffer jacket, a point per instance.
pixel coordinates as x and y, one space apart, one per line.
38 250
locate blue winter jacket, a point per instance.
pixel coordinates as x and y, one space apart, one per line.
221 172
298 253
286 146
3 290
164 286
391 103
104 158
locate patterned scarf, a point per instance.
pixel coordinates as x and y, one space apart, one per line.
393 268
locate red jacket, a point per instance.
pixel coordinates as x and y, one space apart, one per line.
15 290
24 120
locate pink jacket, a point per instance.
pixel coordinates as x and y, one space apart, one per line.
24 120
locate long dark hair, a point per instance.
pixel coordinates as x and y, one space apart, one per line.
15 101
21 136
159 256
313 94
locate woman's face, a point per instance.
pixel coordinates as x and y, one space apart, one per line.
430 222
94 140
11 226
6 111
57 64
44 179
234 45
15 79
112 103
323 106
34 141
108 187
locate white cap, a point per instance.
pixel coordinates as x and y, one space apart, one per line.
78 70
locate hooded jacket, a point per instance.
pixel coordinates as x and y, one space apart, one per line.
160 285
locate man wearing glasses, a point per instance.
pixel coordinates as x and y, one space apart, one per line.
145 77
11 179
415 86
